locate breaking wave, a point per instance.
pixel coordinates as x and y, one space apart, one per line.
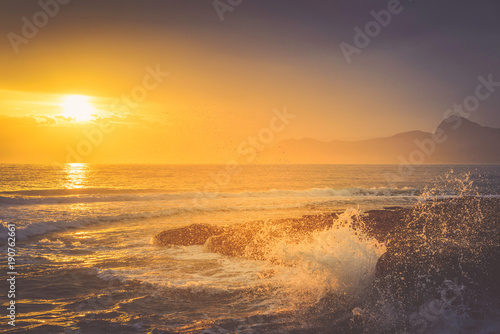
68 196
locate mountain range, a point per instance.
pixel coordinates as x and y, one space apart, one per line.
455 140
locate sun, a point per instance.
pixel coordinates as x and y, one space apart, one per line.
78 108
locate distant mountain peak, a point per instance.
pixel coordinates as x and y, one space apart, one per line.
456 122
455 118
463 141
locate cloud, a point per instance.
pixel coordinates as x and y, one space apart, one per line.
44 120
62 118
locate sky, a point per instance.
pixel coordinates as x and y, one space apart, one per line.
163 81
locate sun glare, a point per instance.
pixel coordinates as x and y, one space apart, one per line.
78 108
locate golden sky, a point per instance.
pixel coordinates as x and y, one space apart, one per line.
224 81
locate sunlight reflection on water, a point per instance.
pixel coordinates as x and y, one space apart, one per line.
76 175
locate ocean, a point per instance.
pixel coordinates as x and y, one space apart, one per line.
85 262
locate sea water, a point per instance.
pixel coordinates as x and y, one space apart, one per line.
86 264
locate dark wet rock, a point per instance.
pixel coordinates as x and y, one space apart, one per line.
434 243
441 255
417 275
249 240
195 234
444 244
244 240
236 241
383 224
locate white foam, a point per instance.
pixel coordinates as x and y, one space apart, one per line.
44 227
339 259
68 196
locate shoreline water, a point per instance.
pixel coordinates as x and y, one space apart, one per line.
349 315
417 268
303 263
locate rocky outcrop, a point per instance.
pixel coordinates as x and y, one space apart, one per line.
454 241
438 241
417 275
251 239
244 240
195 234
